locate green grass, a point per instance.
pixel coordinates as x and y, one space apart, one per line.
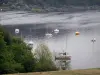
71 72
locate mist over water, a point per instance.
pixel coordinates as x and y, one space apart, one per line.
85 54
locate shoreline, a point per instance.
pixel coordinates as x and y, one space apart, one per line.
44 9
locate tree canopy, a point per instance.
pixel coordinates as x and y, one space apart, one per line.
44 58
61 2
17 57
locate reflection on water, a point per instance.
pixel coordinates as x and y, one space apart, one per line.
84 53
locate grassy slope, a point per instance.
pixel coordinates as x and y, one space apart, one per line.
74 72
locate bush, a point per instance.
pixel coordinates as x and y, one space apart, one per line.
44 59
15 55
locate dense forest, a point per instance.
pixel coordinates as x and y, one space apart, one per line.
55 2
64 2
50 4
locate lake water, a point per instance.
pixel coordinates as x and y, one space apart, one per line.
85 54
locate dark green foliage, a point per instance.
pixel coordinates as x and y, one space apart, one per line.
60 2
51 5
55 3
6 35
23 55
15 55
6 57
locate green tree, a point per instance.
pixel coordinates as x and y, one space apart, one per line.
44 59
23 55
6 35
7 63
15 55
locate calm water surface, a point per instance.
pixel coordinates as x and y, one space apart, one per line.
85 54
